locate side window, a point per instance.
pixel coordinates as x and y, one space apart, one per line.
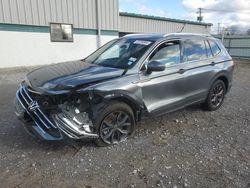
167 53
214 47
194 50
209 52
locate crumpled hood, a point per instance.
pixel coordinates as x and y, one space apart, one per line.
67 75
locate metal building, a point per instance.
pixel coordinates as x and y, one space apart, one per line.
136 23
49 31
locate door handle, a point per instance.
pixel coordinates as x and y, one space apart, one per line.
181 71
213 63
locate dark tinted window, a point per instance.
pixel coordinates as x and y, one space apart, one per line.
214 47
194 50
167 53
209 52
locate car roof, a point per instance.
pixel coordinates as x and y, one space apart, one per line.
155 37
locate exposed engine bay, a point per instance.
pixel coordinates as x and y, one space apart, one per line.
73 121
70 113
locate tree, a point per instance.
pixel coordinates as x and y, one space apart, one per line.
248 32
234 30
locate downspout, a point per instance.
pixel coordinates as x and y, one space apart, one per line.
98 23
182 27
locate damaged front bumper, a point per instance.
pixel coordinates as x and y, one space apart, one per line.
47 126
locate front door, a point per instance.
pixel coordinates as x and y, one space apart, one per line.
164 91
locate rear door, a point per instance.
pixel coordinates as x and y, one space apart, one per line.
198 64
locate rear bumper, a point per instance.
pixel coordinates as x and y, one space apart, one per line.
45 126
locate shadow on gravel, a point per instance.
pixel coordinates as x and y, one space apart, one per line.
21 140
16 136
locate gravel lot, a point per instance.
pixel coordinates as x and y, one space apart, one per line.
188 148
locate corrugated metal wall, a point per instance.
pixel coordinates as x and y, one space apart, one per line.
130 24
237 46
81 13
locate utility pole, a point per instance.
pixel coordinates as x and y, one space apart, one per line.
199 17
223 34
218 29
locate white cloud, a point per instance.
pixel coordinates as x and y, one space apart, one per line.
229 13
153 11
142 8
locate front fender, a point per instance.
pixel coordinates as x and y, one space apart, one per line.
122 95
122 89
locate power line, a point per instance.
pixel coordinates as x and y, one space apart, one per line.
223 10
202 10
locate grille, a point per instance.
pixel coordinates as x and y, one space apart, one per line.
37 114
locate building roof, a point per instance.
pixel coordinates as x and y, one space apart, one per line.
164 19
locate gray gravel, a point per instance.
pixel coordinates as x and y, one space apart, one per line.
188 148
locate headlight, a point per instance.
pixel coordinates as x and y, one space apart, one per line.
26 80
49 85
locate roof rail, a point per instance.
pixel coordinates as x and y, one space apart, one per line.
192 34
135 34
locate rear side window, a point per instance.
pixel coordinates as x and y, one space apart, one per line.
214 47
194 50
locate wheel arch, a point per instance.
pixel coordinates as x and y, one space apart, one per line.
223 77
131 102
225 80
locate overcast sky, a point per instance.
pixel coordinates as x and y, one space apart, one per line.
227 12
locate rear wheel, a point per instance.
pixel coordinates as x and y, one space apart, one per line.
114 124
216 96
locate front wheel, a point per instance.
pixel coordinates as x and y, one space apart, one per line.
114 124
216 96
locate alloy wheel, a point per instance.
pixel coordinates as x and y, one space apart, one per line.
217 95
115 127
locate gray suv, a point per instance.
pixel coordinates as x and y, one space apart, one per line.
137 76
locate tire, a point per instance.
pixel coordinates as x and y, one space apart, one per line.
216 96
114 124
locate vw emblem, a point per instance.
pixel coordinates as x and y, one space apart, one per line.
33 106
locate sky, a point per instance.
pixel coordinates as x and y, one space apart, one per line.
226 12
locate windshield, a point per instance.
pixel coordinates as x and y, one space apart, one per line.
122 53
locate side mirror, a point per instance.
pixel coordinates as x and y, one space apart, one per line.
155 66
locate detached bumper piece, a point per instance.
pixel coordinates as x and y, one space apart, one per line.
37 123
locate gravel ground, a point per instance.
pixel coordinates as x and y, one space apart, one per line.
188 148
